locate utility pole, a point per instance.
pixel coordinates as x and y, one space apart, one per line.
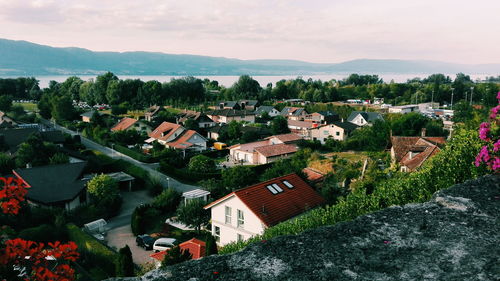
432 100
452 91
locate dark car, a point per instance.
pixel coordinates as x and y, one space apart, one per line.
145 241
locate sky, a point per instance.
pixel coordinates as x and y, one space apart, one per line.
323 31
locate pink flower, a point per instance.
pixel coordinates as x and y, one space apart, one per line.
494 112
498 97
496 146
484 130
496 164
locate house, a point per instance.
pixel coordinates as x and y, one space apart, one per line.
87 116
294 113
302 128
229 105
131 124
363 118
189 140
216 131
10 139
165 132
152 112
55 185
337 130
202 119
271 111
248 104
404 109
247 212
195 247
228 115
265 151
411 152
322 117
6 122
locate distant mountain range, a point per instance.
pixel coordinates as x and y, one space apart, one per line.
21 58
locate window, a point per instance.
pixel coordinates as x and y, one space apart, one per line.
239 238
325 133
277 187
288 184
337 133
273 191
241 218
217 233
228 215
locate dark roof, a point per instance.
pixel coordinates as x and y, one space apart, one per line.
230 112
53 183
14 137
348 126
369 116
295 111
264 108
249 102
271 208
231 104
53 136
263 131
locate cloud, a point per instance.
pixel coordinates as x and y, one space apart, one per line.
314 30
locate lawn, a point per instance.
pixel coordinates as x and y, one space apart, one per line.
28 106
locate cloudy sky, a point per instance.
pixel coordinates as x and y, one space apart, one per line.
310 30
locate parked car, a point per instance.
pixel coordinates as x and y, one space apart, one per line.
145 241
163 244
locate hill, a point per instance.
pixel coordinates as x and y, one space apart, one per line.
24 58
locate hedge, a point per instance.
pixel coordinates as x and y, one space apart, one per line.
185 175
454 164
134 154
88 243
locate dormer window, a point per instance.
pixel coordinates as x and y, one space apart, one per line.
288 184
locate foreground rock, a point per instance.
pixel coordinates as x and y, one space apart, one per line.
455 236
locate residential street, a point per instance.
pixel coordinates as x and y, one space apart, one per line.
120 233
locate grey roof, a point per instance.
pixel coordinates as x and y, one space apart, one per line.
54 183
230 112
53 136
298 111
348 126
229 103
327 113
368 116
249 102
264 108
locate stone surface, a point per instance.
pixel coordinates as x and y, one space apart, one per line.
454 236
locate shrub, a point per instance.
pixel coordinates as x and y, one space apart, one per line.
44 233
201 164
167 201
174 256
125 264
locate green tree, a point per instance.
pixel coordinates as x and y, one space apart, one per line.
331 190
193 214
34 151
410 124
5 102
62 108
279 125
210 245
125 263
238 177
103 188
174 256
167 201
7 164
191 124
246 87
234 130
59 158
201 164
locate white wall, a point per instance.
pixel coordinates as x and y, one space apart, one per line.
199 141
331 132
359 120
228 232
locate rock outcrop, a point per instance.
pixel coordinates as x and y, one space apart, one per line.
454 236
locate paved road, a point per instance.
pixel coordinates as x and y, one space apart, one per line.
166 181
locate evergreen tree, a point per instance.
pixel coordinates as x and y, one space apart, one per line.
174 256
125 264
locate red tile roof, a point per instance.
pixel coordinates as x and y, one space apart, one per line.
271 208
276 149
124 124
165 128
313 175
182 141
412 152
195 247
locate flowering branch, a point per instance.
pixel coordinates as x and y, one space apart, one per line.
488 132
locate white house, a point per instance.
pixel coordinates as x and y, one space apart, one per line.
362 118
271 111
265 151
249 211
337 131
228 115
175 136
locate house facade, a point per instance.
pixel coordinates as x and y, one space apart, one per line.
202 119
323 117
152 112
302 128
294 113
271 111
339 131
266 151
249 211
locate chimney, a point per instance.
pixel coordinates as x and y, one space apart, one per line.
424 131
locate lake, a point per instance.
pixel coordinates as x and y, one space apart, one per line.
228 81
